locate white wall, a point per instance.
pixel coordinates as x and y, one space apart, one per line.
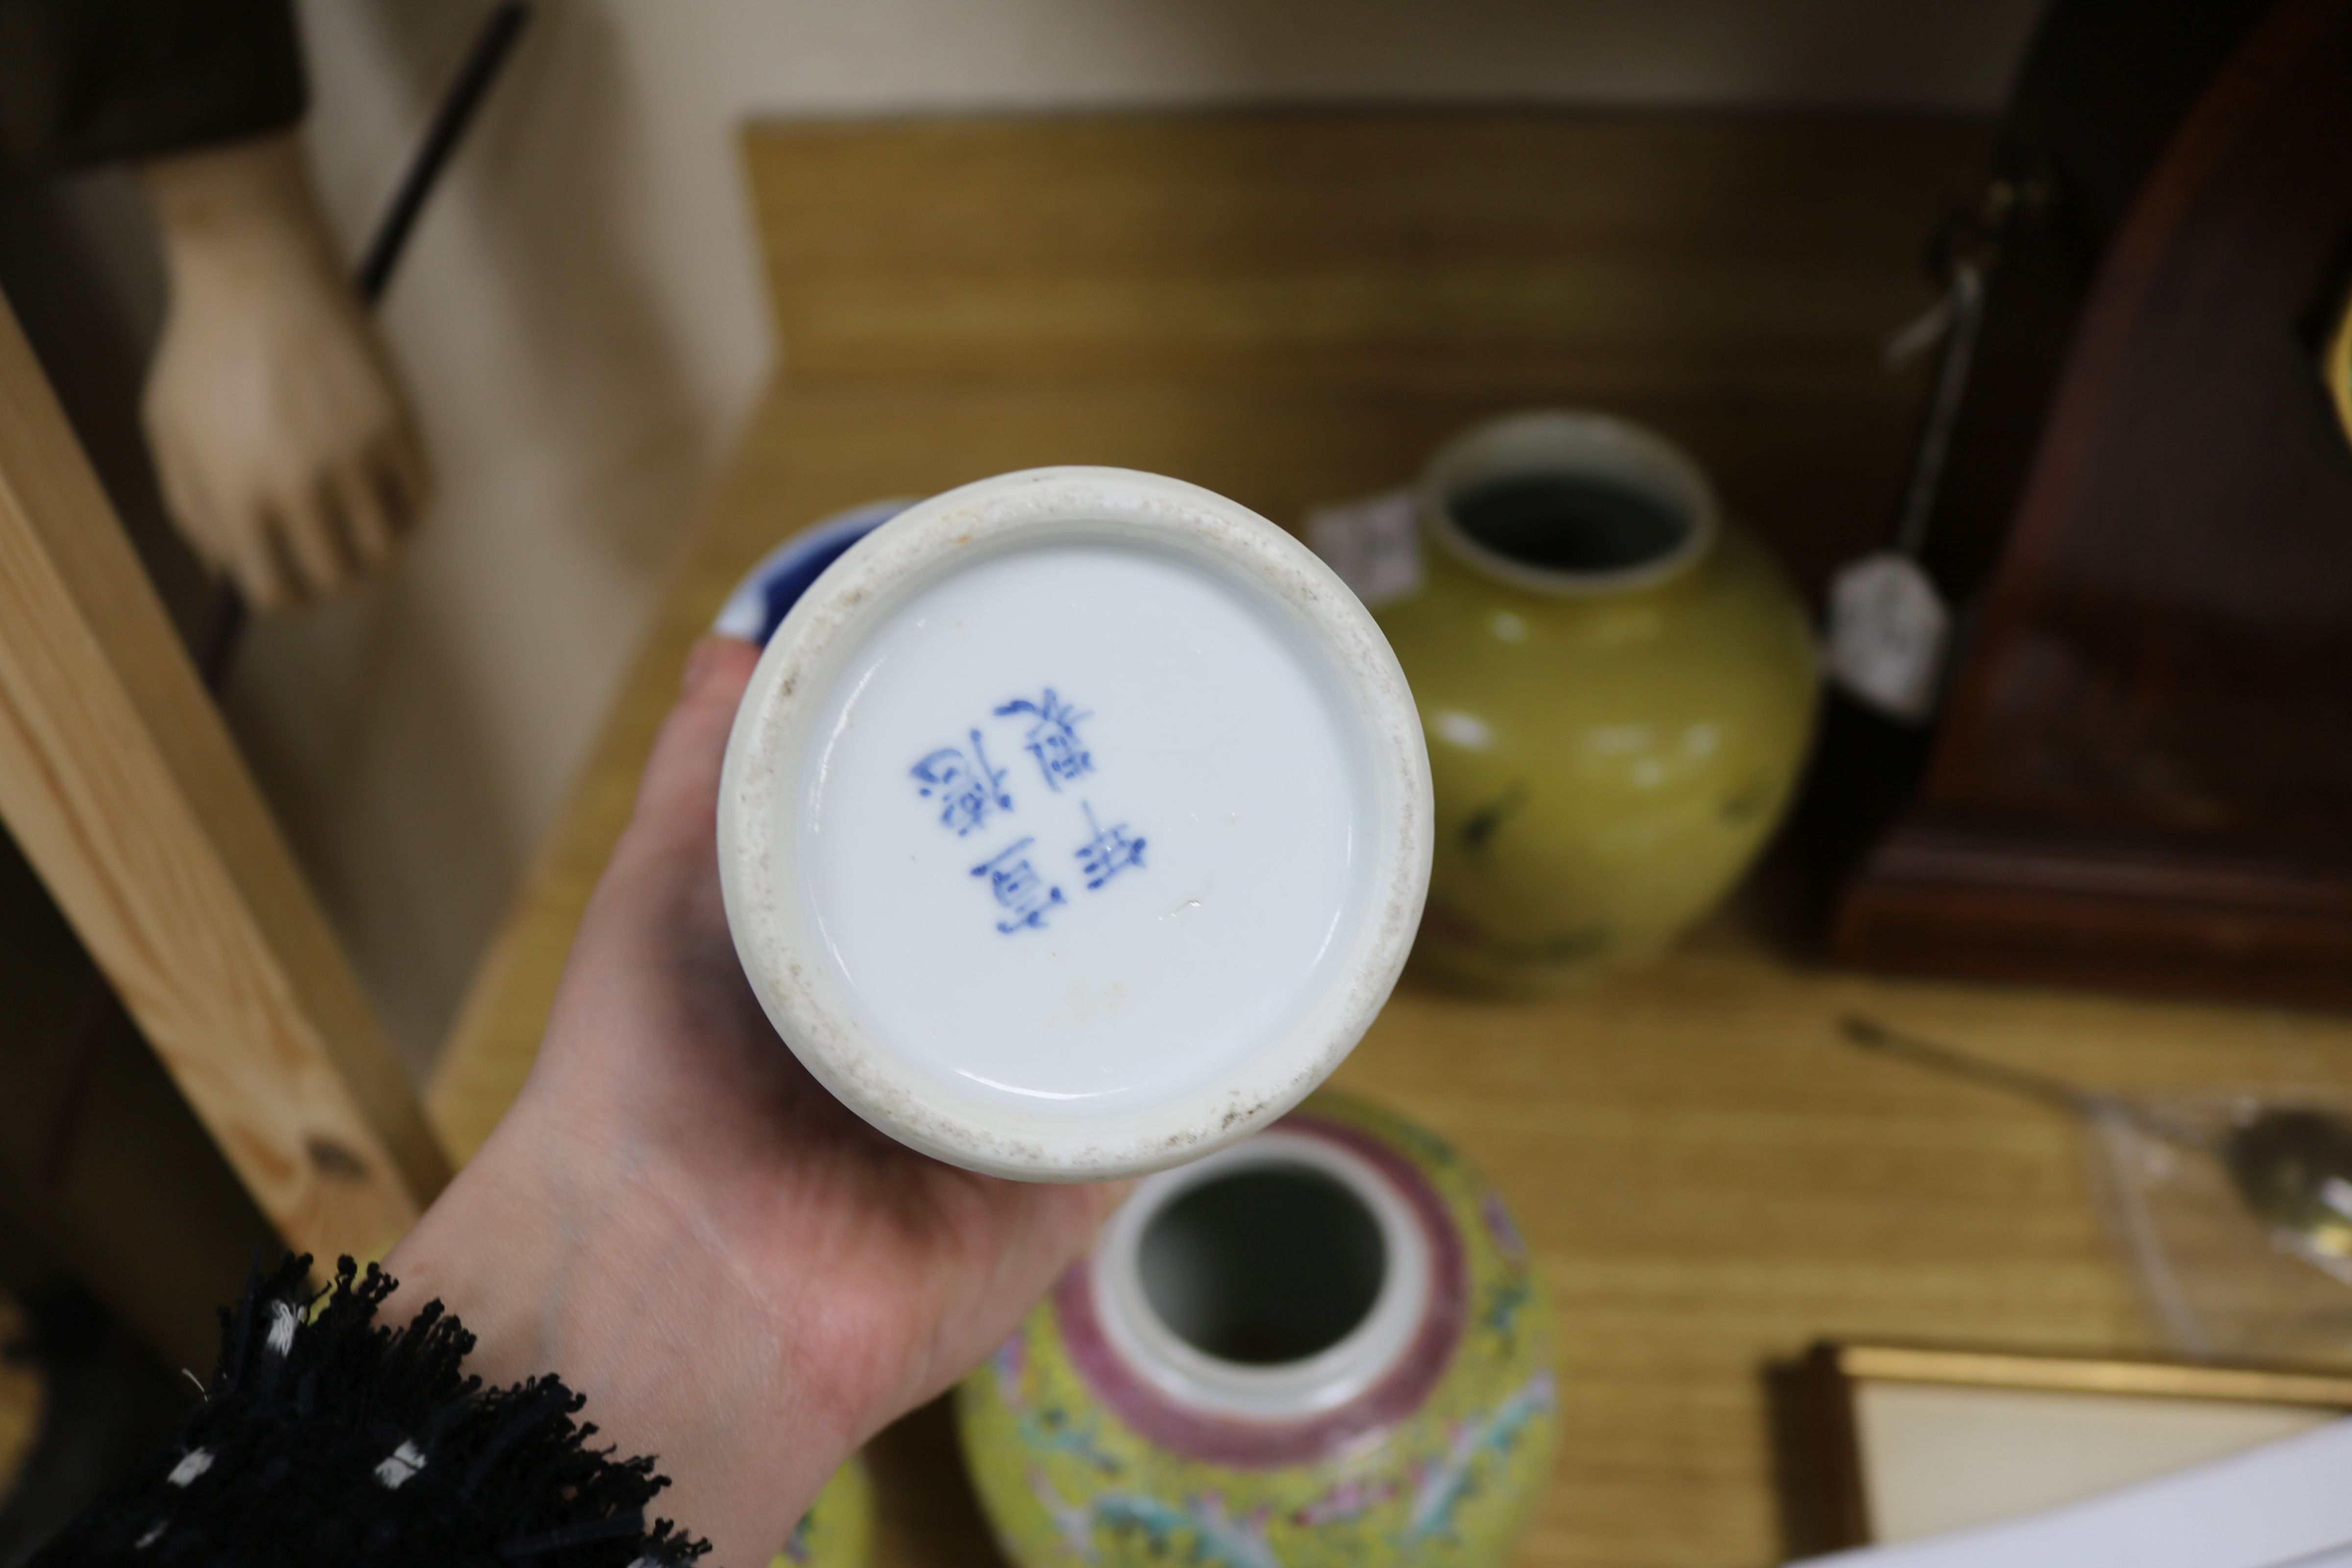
581 320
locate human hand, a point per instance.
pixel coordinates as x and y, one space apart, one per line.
741 1276
281 433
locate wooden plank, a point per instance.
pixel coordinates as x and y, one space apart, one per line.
120 784
106 1177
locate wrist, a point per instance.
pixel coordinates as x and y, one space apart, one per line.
232 208
561 1257
487 1234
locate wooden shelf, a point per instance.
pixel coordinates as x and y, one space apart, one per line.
1294 308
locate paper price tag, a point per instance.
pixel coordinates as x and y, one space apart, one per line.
1373 544
1888 629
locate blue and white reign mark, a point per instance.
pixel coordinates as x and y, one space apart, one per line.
1018 888
968 791
972 795
1053 739
1110 851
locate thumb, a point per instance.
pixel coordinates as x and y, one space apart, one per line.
677 797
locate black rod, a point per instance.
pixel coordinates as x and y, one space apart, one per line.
492 43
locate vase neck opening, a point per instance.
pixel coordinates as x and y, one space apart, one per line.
1570 504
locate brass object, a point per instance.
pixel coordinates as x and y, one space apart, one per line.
2145 1377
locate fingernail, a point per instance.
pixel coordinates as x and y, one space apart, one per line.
698 663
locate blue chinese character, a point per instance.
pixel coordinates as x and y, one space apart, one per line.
1109 852
966 794
1018 888
1053 738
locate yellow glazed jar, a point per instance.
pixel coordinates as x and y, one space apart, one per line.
1618 687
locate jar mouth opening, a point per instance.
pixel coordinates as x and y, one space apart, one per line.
1269 1265
1569 503
1275 1280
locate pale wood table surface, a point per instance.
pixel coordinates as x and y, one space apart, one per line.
1711 1180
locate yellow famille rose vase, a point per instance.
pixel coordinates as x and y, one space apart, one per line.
1323 1345
837 1532
1618 688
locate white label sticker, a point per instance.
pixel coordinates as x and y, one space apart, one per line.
1888 627
1371 544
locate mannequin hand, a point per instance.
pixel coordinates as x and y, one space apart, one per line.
741 1276
279 430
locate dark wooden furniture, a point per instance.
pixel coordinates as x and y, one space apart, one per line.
2144 774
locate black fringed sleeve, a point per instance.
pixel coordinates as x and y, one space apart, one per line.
327 1437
